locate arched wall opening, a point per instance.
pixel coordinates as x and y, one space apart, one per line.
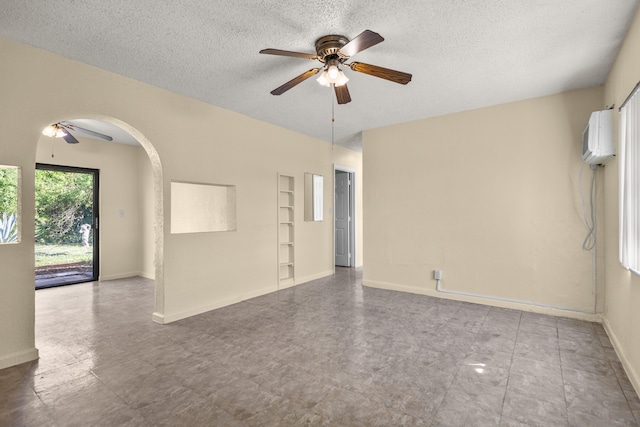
157 214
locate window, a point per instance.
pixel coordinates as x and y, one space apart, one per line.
629 186
313 197
9 212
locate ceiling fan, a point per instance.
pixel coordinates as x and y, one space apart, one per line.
63 130
333 51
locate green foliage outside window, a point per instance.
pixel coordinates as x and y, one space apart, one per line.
64 202
8 204
8 190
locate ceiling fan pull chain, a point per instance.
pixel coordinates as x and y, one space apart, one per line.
333 117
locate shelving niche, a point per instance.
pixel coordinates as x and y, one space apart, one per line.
286 230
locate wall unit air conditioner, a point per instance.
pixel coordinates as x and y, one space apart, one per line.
597 138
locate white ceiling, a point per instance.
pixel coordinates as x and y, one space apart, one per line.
118 134
462 54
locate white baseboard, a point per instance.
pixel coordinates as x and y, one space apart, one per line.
633 375
486 301
305 279
173 317
19 357
106 277
158 318
286 284
259 292
147 275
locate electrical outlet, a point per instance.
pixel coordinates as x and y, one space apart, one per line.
437 274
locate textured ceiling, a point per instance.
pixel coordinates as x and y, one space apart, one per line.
463 54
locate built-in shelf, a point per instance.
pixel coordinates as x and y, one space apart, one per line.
286 230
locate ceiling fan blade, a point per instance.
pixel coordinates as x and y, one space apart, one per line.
362 41
383 73
69 138
87 131
342 94
297 80
289 53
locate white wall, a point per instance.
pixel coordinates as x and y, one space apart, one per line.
195 142
622 308
490 197
120 236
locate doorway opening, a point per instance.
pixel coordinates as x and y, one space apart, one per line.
66 228
344 217
148 176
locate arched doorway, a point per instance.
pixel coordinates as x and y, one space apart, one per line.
114 207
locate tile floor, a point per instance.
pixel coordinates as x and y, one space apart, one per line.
328 352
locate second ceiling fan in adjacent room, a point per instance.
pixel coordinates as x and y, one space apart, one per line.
64 130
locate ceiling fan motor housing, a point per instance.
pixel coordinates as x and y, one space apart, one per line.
328 48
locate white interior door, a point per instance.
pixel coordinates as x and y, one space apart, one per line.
342 220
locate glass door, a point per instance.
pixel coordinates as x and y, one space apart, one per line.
66 229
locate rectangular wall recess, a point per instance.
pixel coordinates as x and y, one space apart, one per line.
202 208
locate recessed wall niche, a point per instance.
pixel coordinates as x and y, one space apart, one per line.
202 208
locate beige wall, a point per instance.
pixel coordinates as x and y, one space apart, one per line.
622 307
120 236
195 142
490 197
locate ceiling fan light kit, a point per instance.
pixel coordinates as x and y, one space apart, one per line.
54 131
332 75
333 51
